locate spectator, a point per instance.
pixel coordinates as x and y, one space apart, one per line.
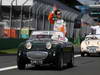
96 28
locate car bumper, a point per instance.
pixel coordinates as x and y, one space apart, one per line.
39 56
91 52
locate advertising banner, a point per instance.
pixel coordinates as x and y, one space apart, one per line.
25 33
16 2
10 33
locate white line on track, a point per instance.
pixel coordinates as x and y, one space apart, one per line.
14 67
8 68
77 55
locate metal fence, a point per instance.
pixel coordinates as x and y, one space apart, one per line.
41 11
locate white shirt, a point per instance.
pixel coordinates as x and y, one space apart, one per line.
58 24
97 28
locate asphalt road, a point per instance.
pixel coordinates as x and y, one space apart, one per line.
83 66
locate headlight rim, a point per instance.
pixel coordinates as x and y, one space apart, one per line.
98 42
28 45
48 45
87 42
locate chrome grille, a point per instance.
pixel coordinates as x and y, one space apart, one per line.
37 55
92 49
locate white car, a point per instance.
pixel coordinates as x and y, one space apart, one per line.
91 45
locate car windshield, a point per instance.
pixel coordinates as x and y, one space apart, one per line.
40 37
92 37
46 36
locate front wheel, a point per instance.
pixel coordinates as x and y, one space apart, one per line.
60 62
71 63
82 54
99 54
20 63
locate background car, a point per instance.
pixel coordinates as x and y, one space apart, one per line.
91 45
45 47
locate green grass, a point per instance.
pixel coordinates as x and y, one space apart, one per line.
8 51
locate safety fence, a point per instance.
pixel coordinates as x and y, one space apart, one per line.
9 43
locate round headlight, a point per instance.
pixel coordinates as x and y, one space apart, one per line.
98 42
48 45
28 45
87 42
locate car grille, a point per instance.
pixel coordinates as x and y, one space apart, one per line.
37 55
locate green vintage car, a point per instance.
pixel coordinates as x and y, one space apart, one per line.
45 47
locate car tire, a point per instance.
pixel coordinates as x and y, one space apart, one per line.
20 63
60 62
98 54
71 63
88 54
82 54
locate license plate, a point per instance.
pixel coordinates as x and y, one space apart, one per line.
37 61
92 50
